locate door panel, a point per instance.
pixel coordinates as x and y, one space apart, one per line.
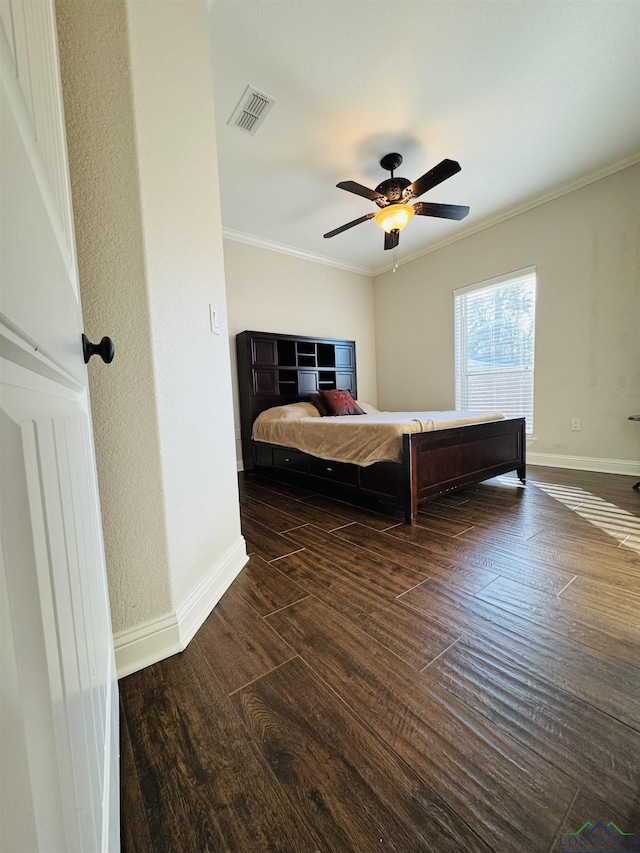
17 818
32 60
57 599
60 713
71 695
25 213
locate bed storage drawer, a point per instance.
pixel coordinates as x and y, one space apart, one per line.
262 454
338 472
382 478
292 460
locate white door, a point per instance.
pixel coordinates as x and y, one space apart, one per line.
59 715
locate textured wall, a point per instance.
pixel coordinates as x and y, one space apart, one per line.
94 55
140 121
175 127
585 249
273 292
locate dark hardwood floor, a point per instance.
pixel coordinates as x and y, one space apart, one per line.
468 684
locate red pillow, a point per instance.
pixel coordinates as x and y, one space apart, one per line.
341 403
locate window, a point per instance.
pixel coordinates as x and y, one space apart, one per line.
494 341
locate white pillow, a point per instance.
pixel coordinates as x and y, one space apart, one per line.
290 412
367 408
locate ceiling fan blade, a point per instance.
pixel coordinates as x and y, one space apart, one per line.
431 179
358 189
391 239
442 211
349 225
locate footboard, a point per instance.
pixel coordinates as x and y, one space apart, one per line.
443 460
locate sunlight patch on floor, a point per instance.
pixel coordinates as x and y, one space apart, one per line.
611 519
506 480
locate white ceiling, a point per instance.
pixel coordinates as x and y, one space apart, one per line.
532 97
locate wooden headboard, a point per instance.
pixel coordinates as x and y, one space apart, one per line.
276 369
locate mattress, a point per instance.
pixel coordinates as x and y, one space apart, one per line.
358 439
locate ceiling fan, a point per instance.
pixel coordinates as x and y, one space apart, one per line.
394 194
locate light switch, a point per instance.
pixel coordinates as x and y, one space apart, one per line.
213 317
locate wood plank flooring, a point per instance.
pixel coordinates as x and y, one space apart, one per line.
468 684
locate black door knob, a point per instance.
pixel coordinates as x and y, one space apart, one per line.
104 349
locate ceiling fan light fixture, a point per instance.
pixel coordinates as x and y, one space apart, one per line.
391 196
394 217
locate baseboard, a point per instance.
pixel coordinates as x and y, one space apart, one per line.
145 644
157 639
201 600
585 463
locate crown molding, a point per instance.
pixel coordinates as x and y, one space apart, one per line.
261 243
590 178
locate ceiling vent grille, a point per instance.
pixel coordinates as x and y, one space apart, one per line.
252 110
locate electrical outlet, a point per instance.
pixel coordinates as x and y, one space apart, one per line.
575 424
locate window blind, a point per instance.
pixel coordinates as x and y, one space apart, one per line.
495 346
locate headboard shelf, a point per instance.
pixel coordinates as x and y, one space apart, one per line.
276 369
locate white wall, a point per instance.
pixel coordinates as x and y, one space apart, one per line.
140 121
584 246
180 199
268 291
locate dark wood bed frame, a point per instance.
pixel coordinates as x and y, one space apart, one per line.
275 369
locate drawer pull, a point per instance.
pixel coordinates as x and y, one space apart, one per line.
329 469
287 459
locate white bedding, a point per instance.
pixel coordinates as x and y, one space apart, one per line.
359 439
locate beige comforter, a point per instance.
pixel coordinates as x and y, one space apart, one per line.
359 439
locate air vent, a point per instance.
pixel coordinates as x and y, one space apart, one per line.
251 111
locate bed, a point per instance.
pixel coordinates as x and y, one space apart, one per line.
433 455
